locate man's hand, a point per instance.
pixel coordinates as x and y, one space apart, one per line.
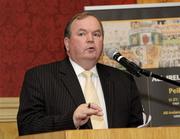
84 111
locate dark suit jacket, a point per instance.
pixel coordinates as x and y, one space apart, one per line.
51 93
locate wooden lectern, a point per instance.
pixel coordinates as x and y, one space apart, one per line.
119 133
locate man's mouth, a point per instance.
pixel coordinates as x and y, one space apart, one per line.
91 49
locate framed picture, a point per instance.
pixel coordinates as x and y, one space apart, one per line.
149 36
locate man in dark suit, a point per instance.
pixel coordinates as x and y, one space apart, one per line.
52 95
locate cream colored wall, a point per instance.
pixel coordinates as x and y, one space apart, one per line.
156 1
8 113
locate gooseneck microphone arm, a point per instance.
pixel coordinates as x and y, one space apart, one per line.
135 69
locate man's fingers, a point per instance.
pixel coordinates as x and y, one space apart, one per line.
83 116
84 111
92 111
98 110
94 106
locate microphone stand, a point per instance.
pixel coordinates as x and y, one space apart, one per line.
151 74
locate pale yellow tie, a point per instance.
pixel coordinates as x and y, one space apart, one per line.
92 97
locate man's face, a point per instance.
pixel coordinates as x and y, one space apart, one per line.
86 40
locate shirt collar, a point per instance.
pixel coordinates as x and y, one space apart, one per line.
78 69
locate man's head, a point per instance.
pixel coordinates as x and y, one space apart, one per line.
79 16
83 39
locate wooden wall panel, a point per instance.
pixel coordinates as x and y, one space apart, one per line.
8 130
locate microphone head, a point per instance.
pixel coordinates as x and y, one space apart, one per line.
110 52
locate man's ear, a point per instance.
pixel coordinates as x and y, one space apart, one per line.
66 43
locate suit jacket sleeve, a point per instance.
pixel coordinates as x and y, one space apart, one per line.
35 113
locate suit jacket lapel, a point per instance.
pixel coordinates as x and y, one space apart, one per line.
107 87
70 80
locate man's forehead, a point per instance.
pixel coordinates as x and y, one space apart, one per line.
85 23
89 30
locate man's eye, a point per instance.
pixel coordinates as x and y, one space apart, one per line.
97 34
81 33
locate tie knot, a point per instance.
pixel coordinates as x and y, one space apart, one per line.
87 74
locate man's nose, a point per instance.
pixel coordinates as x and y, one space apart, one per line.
90 37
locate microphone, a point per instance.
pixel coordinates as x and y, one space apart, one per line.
134 69
131 67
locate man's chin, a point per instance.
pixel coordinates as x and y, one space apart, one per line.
92 57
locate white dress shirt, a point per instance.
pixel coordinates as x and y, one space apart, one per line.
95 78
